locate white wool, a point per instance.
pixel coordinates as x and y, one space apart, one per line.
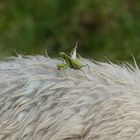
40 102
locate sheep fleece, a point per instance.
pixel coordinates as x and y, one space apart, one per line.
40 102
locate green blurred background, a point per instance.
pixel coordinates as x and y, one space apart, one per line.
104 28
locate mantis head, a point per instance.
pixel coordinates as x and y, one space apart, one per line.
62 54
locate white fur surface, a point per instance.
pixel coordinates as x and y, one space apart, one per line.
39 102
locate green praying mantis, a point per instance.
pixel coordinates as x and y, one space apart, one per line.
71 61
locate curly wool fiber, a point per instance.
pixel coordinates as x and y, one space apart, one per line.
39 102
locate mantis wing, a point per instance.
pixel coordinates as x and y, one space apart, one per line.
74 52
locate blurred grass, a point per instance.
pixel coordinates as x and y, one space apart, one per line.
103 28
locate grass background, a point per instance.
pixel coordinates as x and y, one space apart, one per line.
104 28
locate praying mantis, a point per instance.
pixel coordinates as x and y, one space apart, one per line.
71 61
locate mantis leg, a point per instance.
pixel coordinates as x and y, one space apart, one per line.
87 66
62 66
65 66
83 73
